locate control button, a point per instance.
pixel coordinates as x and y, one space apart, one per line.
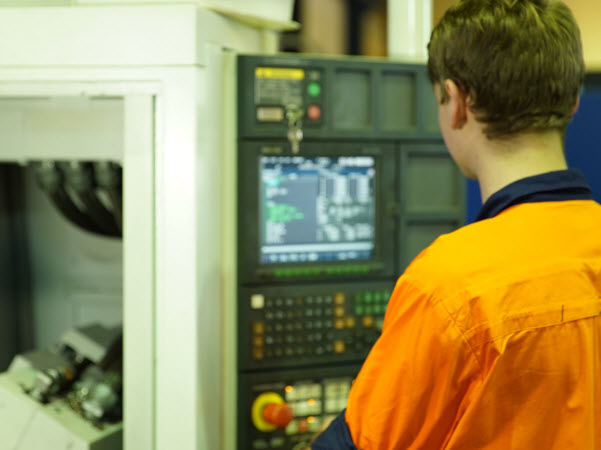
260 444
258 327
303 426
278 414
258 341
350 322
258 354
339 324
314 89
339 311
277 442
368 321
314 112
257 301
339 298
292 427
339 347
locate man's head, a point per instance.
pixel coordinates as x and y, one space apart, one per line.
519 62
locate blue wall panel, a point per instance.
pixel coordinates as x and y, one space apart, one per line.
583 148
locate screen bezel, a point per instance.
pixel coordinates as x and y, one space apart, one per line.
252 270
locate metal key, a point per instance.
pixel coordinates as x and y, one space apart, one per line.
295 133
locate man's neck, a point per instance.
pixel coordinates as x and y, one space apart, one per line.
501 162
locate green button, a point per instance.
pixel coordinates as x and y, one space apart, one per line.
369 297
359 310
359 297
314 89
369 310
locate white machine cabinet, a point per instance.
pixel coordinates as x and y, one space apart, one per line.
142 85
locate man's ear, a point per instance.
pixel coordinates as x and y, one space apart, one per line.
458 102
576 105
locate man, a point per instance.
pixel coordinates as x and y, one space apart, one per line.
492 337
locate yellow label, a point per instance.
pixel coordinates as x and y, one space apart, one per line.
280 73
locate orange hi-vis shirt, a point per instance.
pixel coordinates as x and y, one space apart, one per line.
492 339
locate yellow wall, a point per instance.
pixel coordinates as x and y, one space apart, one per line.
588 15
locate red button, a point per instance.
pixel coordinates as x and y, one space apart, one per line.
279 415
314 112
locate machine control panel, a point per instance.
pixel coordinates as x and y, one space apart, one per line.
312 401
278 90
343 178
308 325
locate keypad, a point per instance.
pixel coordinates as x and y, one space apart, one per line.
328 325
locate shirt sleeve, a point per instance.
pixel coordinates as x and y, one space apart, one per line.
413 384
336 437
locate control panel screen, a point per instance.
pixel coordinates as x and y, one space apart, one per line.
316 209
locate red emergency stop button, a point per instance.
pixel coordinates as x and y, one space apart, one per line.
278 414
314 112
269 412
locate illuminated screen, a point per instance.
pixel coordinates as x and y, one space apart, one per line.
316 208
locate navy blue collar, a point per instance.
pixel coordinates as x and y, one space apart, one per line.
548 187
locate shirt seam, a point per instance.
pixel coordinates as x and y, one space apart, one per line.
439 302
